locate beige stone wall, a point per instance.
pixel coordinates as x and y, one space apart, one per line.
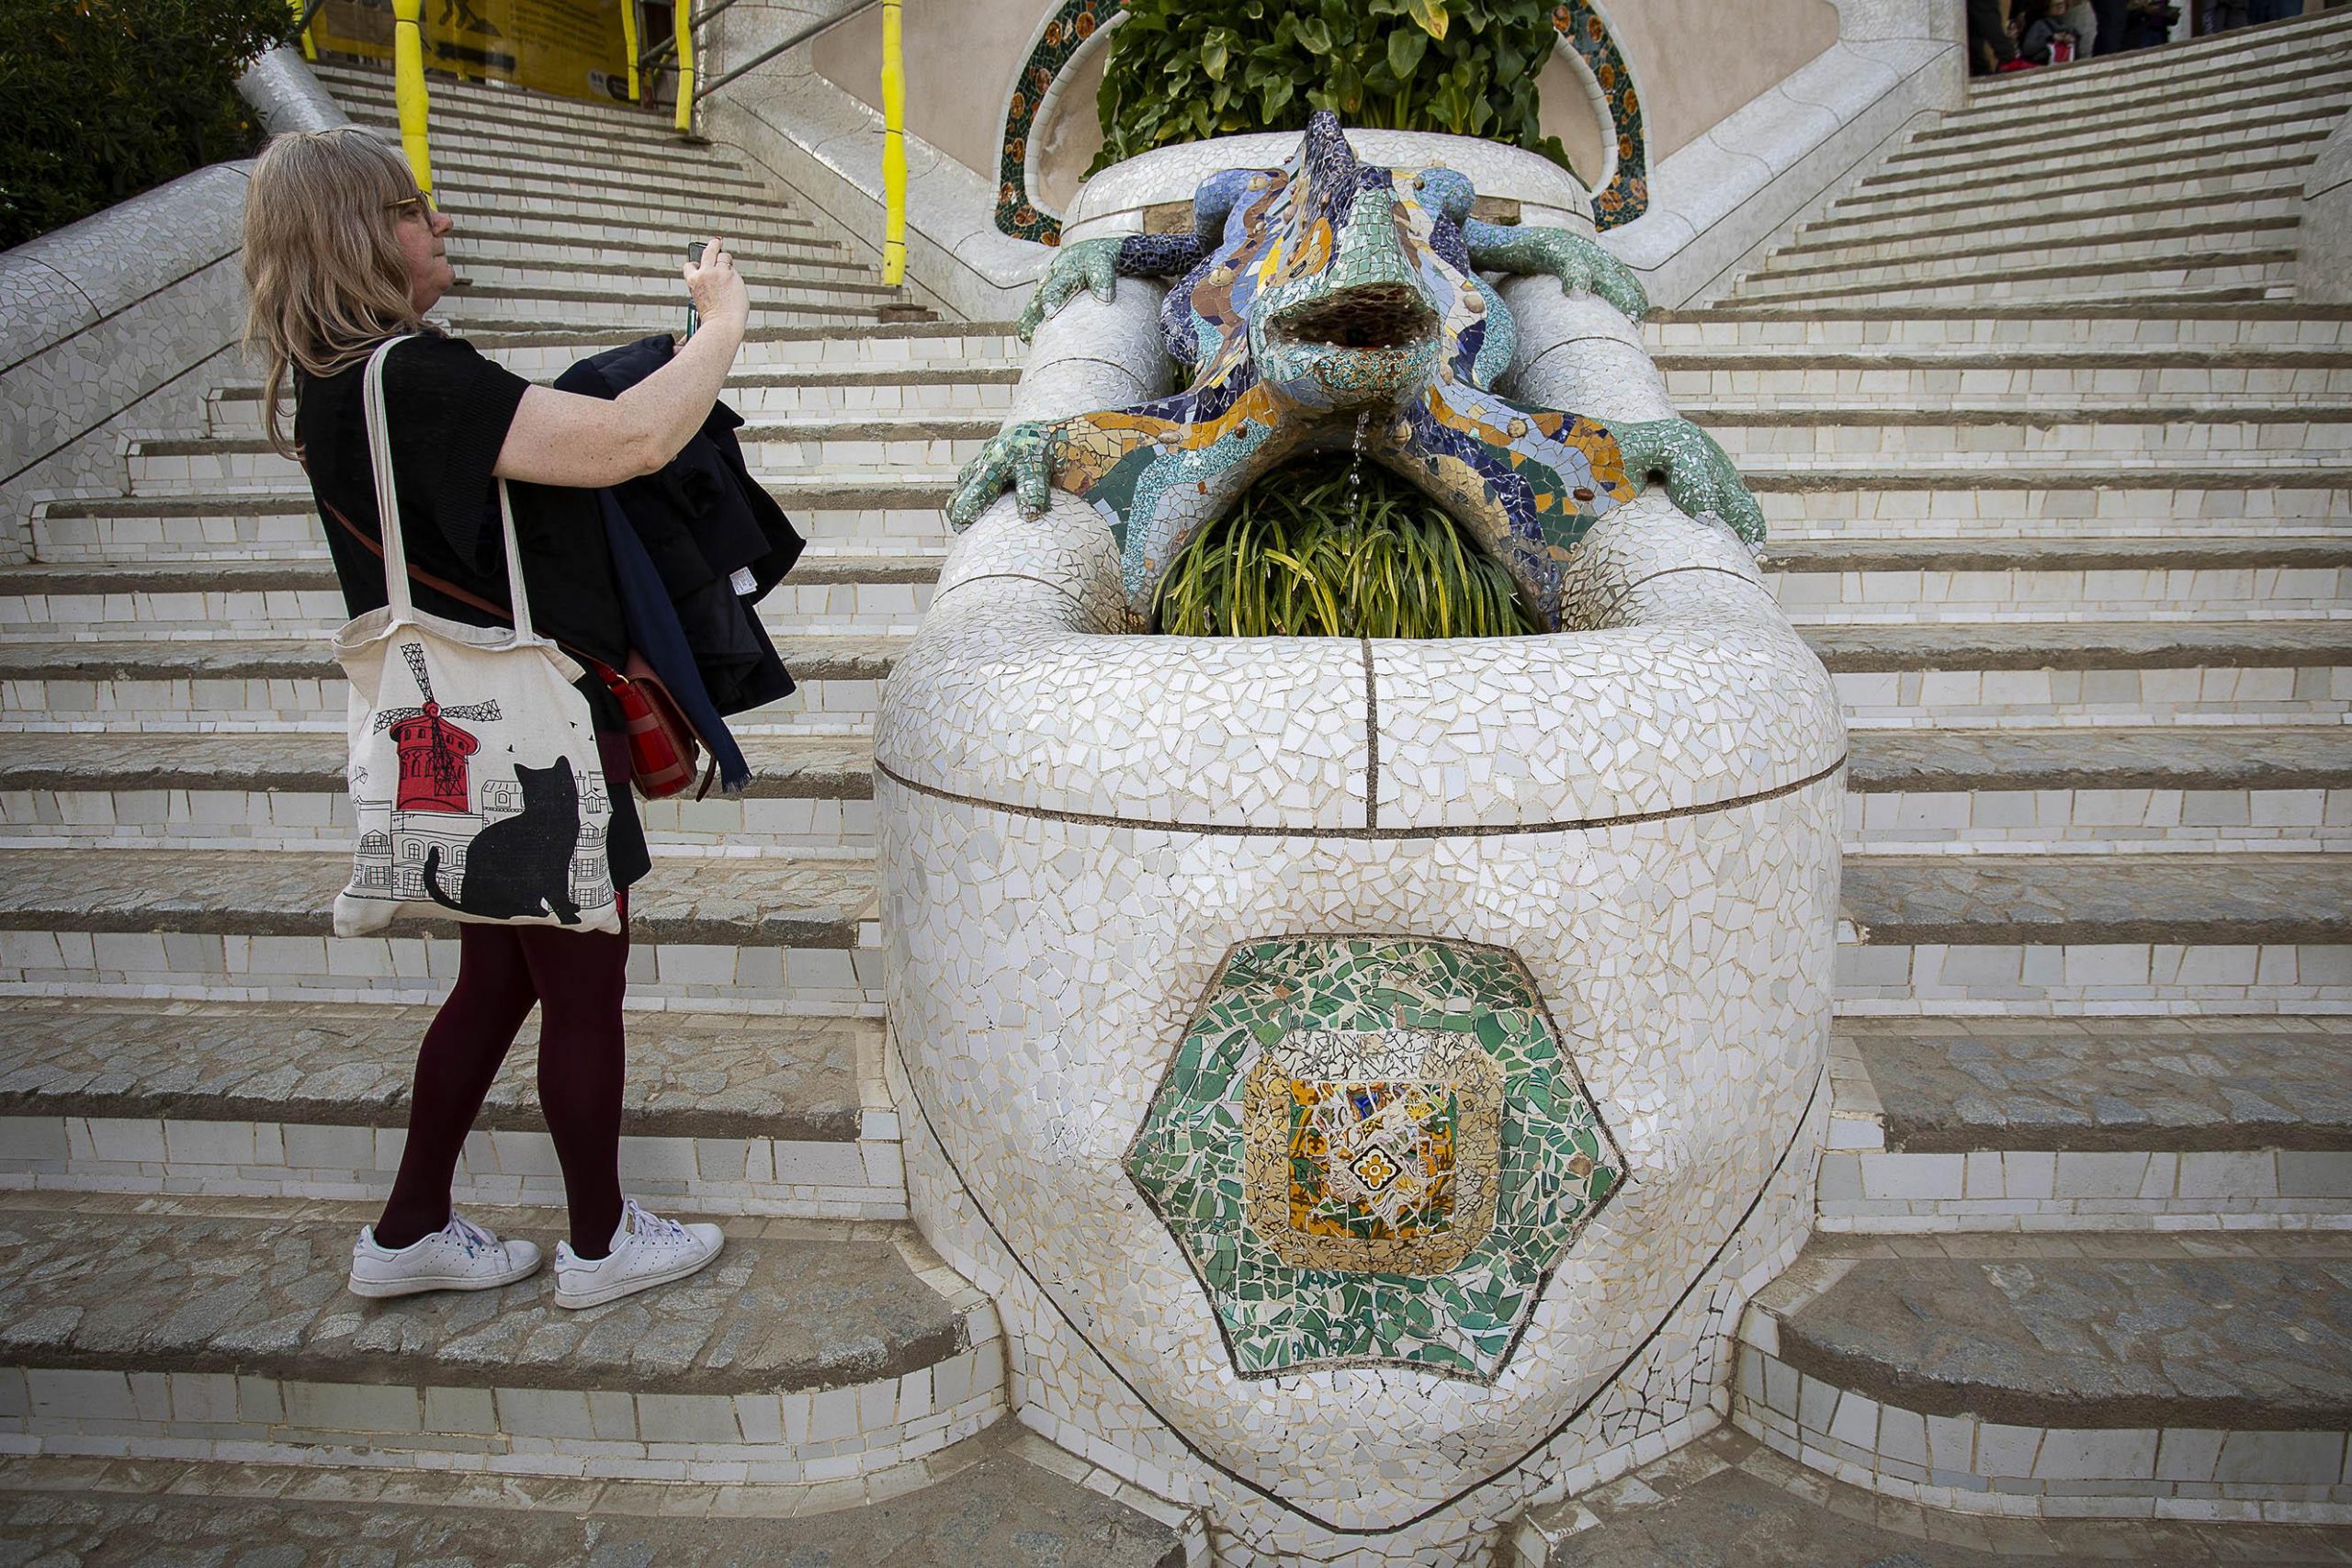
1696 61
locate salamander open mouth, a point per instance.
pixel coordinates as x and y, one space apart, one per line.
1377 315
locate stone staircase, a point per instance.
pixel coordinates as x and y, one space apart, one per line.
2057 475
202 1091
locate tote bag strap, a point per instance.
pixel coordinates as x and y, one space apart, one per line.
388 511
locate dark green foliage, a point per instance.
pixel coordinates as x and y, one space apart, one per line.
101 99
1307 554
1182 69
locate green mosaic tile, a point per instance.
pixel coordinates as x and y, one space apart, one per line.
1373 1151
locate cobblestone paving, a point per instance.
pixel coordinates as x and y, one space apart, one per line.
764 902
2191 757
2228 898
2243 1334
690 1074
1950 1085
202 1288
1728 1502
990 1510
821 766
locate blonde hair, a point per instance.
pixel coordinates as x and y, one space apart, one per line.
325 278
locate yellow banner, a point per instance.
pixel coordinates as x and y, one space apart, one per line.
575 48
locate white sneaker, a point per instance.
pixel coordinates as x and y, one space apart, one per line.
647 1250
460 1256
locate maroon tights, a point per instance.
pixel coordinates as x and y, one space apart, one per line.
577 978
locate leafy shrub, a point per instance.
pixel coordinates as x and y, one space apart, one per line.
1306 554
101 99
1181 70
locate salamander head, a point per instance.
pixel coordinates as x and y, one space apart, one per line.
1342 317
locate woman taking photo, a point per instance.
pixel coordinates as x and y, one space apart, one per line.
342 251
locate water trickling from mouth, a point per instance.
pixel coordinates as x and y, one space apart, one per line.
1355 468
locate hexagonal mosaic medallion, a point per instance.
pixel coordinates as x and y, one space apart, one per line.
1373 1150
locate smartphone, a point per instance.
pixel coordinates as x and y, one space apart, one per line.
694 254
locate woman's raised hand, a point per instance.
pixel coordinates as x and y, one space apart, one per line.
717 288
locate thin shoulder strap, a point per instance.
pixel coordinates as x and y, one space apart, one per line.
388 509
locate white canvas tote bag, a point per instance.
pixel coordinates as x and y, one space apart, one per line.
474 774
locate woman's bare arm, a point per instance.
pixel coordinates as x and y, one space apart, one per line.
564 438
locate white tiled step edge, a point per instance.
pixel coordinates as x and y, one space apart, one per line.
666 1393
2036 934
770 935
2089 1124
1859 329
1949 1456
724 1115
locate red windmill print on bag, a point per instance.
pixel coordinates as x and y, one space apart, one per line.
433 751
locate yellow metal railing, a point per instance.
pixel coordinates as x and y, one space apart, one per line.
408 87
894 149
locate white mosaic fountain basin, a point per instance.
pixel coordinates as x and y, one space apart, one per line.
1095 843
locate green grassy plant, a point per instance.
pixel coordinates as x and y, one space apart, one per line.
1306 554
1182 69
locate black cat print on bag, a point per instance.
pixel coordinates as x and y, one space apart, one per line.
521 866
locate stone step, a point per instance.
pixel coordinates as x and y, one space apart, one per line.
1727 1498
2142 99
773 934
2281 159
2101 149
2260 49
1003 1496
2089 1123
1815 497
2148 241
2320 83
460 163
2050 220
289 683
769 282
782 232
2067 933
285 790
863 515
2035 427
2220 378
684 212
871 514
809 1350
1912 790
2208 1377
2082 324
640 314
1975 674
963 390
871 346
297 597
462 135
370 82
176 465
2044 673
1824 581
2208 787
2218 275
724 1113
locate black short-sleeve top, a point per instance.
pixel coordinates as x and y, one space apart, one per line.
449 410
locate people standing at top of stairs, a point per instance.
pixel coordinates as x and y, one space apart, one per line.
343 251
2043 32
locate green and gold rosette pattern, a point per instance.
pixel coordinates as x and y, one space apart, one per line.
1372 1151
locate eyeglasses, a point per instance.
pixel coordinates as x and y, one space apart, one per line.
417 206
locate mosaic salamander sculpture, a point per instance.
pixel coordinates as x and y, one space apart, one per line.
1325 304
